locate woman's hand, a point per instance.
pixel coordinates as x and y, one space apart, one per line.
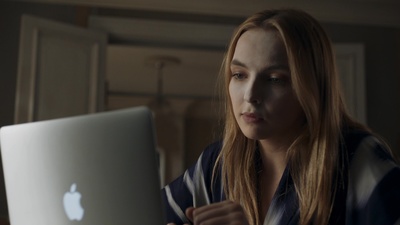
226 212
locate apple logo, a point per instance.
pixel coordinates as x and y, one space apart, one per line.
72 204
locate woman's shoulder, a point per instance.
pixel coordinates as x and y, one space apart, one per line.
361 142
374 180
368 152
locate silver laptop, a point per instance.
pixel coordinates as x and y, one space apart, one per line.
93 169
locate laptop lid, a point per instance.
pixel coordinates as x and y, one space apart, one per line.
92 169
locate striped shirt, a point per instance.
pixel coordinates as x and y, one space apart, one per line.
369 191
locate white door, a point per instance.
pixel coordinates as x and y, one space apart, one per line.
60 70
350 61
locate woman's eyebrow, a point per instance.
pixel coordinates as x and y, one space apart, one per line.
277 67
236 62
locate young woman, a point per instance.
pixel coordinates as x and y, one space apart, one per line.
290 153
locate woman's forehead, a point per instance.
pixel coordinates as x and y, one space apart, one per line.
260 44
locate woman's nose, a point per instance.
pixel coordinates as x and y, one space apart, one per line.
253 93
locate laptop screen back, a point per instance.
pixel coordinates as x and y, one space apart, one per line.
92 169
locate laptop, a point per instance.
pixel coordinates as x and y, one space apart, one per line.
91 170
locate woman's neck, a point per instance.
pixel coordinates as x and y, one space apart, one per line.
273 157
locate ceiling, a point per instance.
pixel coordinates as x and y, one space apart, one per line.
378 12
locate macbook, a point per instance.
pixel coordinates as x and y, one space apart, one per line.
96 169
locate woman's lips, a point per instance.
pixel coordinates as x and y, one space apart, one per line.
251 117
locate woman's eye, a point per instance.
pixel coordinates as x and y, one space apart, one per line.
274 80
238 76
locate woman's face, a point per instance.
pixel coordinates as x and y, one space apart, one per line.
263 101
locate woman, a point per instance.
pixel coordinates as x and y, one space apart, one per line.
290 153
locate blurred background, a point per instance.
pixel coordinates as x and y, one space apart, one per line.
66 57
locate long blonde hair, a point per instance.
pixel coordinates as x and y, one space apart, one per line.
313 156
